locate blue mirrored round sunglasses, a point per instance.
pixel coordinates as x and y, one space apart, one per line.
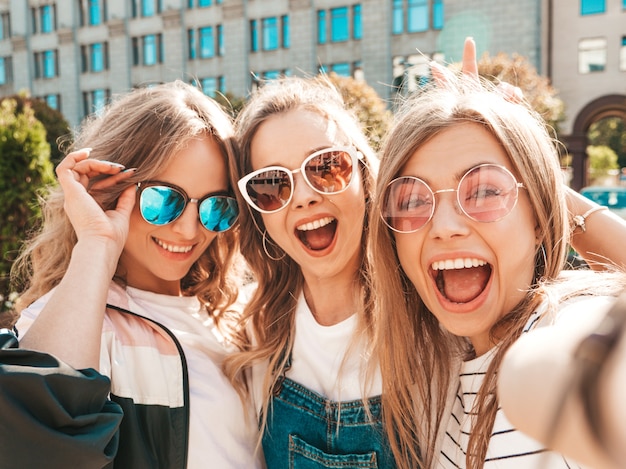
161 203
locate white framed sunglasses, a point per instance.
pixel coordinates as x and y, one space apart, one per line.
327 171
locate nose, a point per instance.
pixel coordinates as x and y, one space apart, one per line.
448 221
188 223
303 194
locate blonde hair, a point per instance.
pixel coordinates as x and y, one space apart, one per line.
270 312
142 129
417 357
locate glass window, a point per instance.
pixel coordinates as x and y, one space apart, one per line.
220 40
207 42
5 25
622 54
437 14
99 100
270 33
191 39
285 27
357 22
591 7
147 8
3 71
341 69
149 50
95 14
209 86
397 17
321 27
53 100
254 35
97 57
271 74
204 3
49 64
418 16
47 19
339 24
591 55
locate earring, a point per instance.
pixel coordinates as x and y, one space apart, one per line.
276 248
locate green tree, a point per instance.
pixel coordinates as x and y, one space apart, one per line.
602 158
53 121
233 104
25 169
367 105
610 132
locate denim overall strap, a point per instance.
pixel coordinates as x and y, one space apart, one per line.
307 431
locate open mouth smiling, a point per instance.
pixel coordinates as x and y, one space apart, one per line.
461 280
318 234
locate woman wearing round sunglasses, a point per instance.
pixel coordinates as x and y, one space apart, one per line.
305 175
469 236
137 272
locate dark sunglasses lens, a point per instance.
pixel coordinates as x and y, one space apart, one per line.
487 193
161 205
329 172
270 190
218 213
407 205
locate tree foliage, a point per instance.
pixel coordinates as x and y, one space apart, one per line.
610 132
53 121
25 169
367 105
602 158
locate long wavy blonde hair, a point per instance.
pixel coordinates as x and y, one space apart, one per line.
417 357
270 312
143 129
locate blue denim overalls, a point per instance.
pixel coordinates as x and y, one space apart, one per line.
305 430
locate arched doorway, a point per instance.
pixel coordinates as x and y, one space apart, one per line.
613 105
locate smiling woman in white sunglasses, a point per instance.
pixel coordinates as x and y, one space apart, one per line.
136 265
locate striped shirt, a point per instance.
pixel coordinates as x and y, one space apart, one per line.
508 448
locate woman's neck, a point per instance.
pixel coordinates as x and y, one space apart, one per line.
332 302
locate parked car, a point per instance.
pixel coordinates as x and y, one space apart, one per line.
613 197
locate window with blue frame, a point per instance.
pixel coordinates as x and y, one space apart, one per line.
437 14
150 53
207 42
49 64
95 12
98 57
397 14
47 18
357 22
3 71
339 27
592 55
270 33
322 37
417 16
212 86
254 35
220 40
622 55
53 101
342 69
592 7
286 40
204 3
95 101
147 8
5 25
191 40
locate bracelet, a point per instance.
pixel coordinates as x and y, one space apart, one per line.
579 220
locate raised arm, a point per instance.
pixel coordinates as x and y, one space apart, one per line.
70 325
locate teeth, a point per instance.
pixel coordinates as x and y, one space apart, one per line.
314 225
460 263
172 248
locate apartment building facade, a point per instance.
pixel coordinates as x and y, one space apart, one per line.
77 54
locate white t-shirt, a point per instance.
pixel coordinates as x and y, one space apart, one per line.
219 436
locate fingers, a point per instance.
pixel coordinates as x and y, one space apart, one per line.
470 65
126 202
511 93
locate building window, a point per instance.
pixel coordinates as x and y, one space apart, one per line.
321 27
5 25
397 17
191 38
339 24
96 12
95 57
6 70
207 42
622 54
148 50
342 69
592 7
94 101
220 40
151 7
437 14
46 64
53 101
212 86
417 16
43 19
270 33
591 55
286 43
254 35
357 22
204 3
